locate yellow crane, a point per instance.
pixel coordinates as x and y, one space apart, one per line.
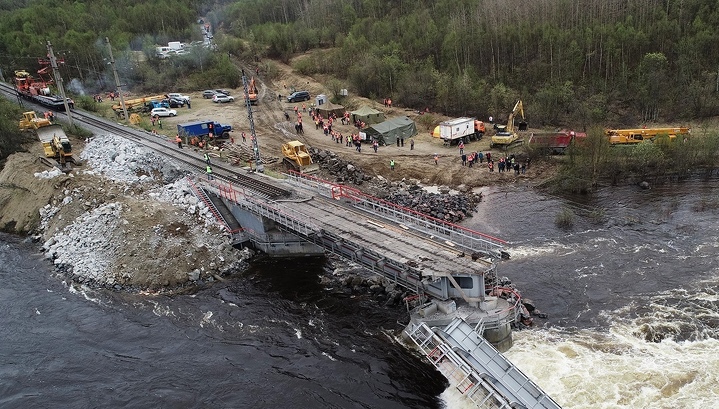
638 135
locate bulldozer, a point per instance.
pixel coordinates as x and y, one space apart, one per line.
298 158
55 144
31 121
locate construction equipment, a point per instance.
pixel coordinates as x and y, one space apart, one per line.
55 143
506 134
259 165
252 92
554 142
635 136
137 104
298 158
30 120
38 89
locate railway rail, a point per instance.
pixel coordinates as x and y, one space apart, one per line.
161 145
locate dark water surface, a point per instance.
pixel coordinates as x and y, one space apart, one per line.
267 340
632 303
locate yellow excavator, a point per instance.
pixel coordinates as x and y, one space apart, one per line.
506 134
55 144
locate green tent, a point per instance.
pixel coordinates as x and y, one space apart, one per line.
329 108
367 115
389 131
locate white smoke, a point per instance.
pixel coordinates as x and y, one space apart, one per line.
76 87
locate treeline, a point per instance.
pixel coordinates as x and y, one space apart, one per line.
77 31
578 62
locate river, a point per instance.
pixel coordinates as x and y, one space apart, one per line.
630 289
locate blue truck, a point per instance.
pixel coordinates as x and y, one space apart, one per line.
203 129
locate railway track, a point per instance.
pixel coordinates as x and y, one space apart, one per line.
187 157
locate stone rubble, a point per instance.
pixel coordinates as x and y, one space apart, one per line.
451 207
107 245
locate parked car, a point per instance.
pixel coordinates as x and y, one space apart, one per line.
299 96
175 103
178 96
163 112
222 91
222 98
208 94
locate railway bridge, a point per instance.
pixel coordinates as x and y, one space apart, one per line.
308 215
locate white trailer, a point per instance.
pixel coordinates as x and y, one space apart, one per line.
456 130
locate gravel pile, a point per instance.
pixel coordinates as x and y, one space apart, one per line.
133 221
123 161
85 247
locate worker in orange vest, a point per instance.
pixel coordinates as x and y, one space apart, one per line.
179 141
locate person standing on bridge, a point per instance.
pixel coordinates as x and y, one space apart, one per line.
207 158
209 172
179 141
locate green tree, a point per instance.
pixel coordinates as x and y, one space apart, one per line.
653 84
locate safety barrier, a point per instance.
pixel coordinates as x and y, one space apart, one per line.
467 239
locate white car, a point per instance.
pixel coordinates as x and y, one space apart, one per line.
176 95
222 98
163 112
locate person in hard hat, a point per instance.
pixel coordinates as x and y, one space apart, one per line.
209 172
207 158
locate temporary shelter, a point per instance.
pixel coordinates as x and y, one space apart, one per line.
436 132
329 108
389 131
367 115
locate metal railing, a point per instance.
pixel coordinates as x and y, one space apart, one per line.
467 239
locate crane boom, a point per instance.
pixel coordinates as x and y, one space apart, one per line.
518 108
259 166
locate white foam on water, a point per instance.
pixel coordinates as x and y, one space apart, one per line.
330 357
592 369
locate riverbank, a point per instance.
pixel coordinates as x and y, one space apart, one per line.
125 220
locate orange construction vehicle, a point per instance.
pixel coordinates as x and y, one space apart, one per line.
252 91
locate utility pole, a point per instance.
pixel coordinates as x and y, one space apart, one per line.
117 79
259 166
58 81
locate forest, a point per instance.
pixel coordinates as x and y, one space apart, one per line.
572 62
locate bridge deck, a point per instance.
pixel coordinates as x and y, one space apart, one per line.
431 257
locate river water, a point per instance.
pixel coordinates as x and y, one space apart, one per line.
631 292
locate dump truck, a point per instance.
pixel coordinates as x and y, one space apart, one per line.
554 142
639 135
298 158
55 144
